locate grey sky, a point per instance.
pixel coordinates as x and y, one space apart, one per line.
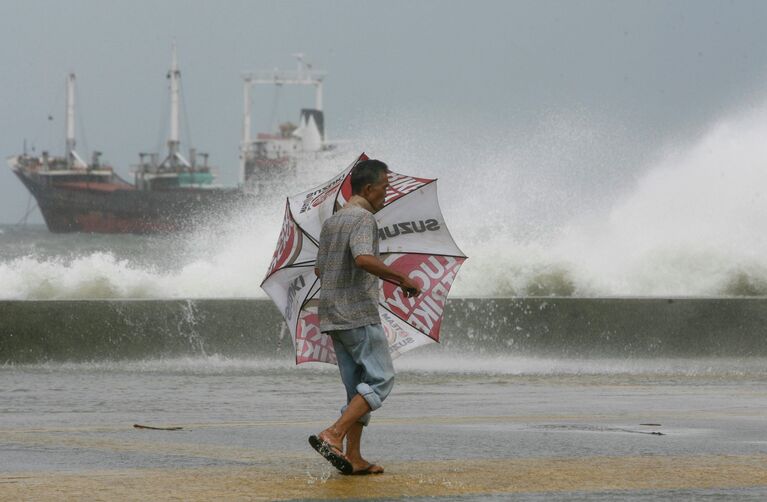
658 69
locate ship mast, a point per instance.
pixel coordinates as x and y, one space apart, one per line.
246 127
174 75
70 119
71 155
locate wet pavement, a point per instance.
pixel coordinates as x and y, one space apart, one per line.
66 432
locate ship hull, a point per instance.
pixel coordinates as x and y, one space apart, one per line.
121 209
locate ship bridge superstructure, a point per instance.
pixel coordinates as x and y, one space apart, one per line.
271 156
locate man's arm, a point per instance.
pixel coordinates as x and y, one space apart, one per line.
373 265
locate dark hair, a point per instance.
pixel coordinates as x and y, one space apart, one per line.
367 172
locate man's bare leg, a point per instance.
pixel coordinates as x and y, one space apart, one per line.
353 441
336 433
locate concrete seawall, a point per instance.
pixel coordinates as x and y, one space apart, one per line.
83 330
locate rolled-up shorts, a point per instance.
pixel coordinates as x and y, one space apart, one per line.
365 365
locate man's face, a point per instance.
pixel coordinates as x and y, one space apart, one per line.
376 193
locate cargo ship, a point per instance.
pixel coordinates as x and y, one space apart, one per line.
169 195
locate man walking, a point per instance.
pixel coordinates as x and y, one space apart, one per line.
349 268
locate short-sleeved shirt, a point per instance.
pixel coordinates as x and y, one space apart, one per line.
349 294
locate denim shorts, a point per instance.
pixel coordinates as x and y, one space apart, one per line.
365 364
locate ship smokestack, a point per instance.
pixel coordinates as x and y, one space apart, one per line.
311 129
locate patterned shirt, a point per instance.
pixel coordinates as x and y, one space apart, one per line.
349 294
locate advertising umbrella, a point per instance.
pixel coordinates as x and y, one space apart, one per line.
413 239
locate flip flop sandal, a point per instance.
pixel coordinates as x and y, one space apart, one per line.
331 454
366 471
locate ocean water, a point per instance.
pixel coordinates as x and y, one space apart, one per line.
553 211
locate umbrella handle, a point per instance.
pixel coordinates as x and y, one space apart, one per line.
407 291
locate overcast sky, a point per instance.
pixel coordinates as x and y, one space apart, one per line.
653 70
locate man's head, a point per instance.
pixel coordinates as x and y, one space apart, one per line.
369 180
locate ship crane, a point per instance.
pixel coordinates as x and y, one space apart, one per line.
310 132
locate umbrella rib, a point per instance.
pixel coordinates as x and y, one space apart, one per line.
300 264
405 321
307 234
308 297
335 199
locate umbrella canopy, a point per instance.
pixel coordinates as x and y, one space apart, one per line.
413 239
